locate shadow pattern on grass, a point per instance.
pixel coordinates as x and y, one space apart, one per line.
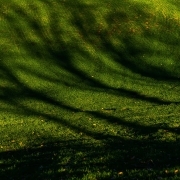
109 154
75 159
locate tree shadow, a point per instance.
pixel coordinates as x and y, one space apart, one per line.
77 158
108 153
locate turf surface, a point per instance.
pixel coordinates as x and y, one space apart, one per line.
89 90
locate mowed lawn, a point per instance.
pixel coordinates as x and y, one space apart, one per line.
89 90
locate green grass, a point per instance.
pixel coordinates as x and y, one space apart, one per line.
89 90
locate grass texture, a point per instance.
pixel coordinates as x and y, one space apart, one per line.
89 90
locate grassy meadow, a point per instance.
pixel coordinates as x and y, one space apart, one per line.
89 90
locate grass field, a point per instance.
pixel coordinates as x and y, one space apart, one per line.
89 90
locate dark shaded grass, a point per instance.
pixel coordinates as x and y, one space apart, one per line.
77 158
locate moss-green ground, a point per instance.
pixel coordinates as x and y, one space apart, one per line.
89 90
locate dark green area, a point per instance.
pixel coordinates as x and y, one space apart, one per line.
89 90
